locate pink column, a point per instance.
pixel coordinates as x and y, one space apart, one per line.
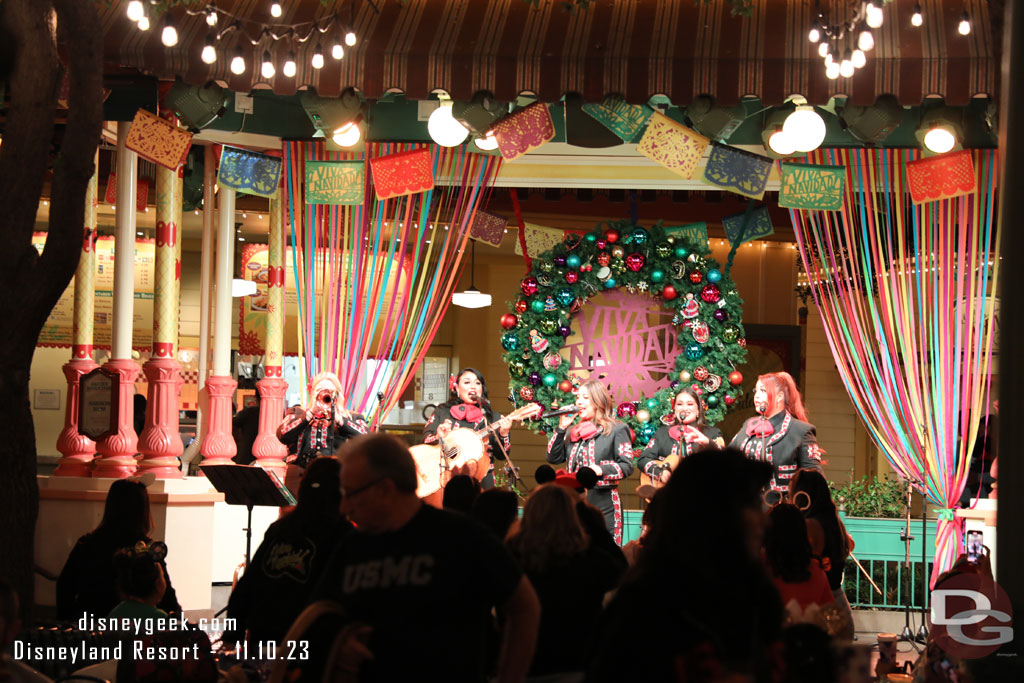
267 448
77 450
219 445
160 442
118 450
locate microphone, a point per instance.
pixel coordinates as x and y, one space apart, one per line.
564 410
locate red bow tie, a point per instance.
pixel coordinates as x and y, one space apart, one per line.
583 431
760 427
467 412
677 432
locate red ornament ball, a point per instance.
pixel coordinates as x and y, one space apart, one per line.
612 235
527 393
729 400
530 286
696 277
602 244
700 373
565 386
710 293
604 258
669 292
508 321
626 409
521 306
635 262
571 277
735 378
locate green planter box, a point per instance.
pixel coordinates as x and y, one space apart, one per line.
881 551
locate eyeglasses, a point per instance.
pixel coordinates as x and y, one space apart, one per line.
355 492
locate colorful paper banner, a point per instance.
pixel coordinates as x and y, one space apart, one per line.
246 171
758 226
488 228
526 129
672 145
737 170
157 140
404 173
141 192
539 239
621 118
335 182
941 177
692 232
808 186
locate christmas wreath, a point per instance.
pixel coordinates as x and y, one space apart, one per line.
706 309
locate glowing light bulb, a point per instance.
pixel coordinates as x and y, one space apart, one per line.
916 19
814 35
144 23
318 57
267 68
874 17
275 9
965 24
832 71
487 142
822 49
444 129
780 143
209 55
238 63
350 38
347 135
337 51
805 127
169 37
135 10
828 60
845 68
866 41
289 66
211 16
858 58
939 140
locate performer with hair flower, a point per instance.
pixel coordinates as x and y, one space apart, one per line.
781 434
469 407
600 443
320 429
685 435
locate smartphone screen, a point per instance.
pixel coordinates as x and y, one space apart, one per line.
974 546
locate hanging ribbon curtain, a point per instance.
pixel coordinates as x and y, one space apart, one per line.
375 280
905 295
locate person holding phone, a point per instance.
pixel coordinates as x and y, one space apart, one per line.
599 443
781 434
468 407
686 434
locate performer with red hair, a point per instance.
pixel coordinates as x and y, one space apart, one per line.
781 434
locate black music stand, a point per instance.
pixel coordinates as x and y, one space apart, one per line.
249 486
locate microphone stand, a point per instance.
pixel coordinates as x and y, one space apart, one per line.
510 468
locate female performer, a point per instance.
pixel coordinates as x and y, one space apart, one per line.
321 428
781 435
468 407
598 442
686 435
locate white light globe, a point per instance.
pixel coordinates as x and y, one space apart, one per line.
290 67
874 18
814 35
916 19
780 144
939 140
238 65
846 68
144 23
805 128
350 38
822 49
859 59
866 41
318 60
444 129
487 142
337 51
347 135
169 37
275 9
832 71
964 27
135 10
209 55
211 17
267 69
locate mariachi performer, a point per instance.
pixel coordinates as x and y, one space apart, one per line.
781 434
599 442
321 428
468 407
687 433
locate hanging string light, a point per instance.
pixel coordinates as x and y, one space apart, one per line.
842 57
965 23
916 19
238 62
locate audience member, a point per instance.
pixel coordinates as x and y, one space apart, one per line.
496 509
797 575
699 588
86 583
423 580
460 493
10 625
140 581
653 516
291 558
809 491
245 427
570 574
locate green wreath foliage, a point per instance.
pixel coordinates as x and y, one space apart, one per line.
670 267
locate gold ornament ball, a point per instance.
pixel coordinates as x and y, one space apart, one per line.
643 415
685 376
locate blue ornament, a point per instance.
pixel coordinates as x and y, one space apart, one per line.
682 252
694 351
565 296
714 275
646 432
639 236
609 283
657 275
537 306
591 237
550 380
652 404
573 261
509 341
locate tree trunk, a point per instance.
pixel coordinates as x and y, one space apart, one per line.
31 283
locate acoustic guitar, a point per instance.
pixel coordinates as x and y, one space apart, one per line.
462 446
672 461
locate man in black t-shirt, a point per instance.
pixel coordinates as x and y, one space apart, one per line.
423 579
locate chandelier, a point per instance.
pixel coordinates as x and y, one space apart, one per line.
844 43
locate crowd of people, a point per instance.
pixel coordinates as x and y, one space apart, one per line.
737 575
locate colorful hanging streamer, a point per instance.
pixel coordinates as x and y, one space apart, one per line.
374 280
904 293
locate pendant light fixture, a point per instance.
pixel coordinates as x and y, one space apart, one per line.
472 297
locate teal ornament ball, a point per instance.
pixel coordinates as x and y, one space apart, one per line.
694 351
647 432
639 236
565 296
730 333
517 368
537 306
573 261
509 341
548 326
682 252
591 237
657 276
550 380
609 283
712 401
714 275
651 403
